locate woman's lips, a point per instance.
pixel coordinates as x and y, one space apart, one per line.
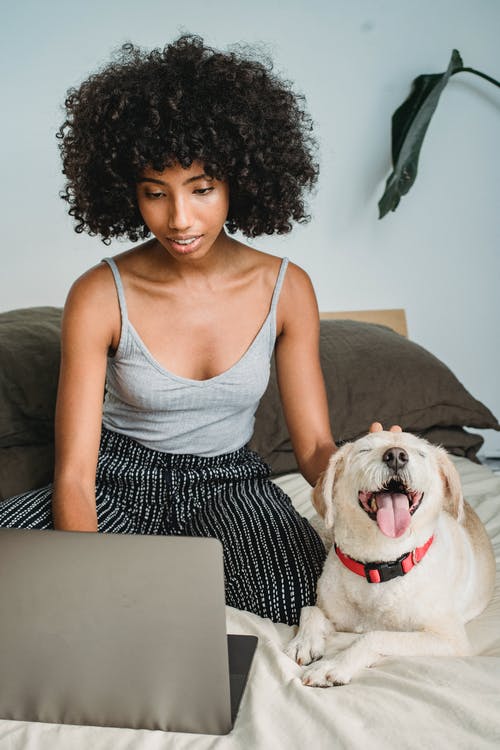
185 244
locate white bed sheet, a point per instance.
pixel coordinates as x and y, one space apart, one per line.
403 703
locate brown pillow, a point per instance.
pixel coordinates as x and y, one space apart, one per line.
29 369
374 374
371 374
25 467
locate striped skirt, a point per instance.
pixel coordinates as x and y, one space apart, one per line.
272 556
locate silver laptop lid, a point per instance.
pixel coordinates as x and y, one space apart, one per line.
113 630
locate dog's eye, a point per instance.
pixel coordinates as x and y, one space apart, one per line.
364 450
420 453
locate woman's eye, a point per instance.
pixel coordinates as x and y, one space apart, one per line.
154 195
203 191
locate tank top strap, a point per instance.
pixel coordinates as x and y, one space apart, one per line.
119 290
274 305
278 285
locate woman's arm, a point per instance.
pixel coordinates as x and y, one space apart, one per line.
89 322
300 378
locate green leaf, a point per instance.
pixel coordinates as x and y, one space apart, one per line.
409 125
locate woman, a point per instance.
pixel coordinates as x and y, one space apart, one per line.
179 145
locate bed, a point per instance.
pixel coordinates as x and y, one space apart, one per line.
402 703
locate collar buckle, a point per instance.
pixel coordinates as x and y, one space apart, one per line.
386 571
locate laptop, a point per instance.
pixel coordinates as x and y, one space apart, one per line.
118 630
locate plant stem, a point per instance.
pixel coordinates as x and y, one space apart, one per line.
477 73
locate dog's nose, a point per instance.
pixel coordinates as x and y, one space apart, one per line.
395 458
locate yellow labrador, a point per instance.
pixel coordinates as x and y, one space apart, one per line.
410 564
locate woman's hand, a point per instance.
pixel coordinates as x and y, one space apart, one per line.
377 427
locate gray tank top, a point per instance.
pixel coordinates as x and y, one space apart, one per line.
170 413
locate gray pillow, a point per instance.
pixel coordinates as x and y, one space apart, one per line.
374 374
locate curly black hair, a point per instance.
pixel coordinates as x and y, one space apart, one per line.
180 104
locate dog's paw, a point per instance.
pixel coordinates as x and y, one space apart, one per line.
323 676
305 649
309 643
327 673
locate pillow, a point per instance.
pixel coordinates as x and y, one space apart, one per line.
29 369
371 373
374 374
25 467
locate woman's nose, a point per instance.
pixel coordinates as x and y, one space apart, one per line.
179 217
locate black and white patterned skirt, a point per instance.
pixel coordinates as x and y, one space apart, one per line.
272 556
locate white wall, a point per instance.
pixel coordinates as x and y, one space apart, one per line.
438 255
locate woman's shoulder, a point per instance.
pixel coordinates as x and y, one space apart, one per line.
297 300
272 264
93 287
92 301
97 281
296 281
296 297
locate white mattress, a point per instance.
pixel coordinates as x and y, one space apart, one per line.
403 703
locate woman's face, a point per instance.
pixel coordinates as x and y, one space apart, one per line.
184 208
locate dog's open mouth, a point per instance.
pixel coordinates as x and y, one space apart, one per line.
391 506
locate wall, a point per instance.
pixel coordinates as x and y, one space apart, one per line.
438 255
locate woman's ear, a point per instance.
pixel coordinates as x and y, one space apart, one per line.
322 497
453 496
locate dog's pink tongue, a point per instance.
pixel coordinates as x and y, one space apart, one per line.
393 514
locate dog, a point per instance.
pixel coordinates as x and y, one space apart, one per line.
410 562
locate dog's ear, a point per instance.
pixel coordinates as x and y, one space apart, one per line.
322 497
453 497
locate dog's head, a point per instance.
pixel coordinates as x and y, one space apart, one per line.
389 484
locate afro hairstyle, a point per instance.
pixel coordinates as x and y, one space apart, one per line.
184 103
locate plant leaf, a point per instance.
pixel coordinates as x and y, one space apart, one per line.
409 125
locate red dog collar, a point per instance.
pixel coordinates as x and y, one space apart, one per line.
379 572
